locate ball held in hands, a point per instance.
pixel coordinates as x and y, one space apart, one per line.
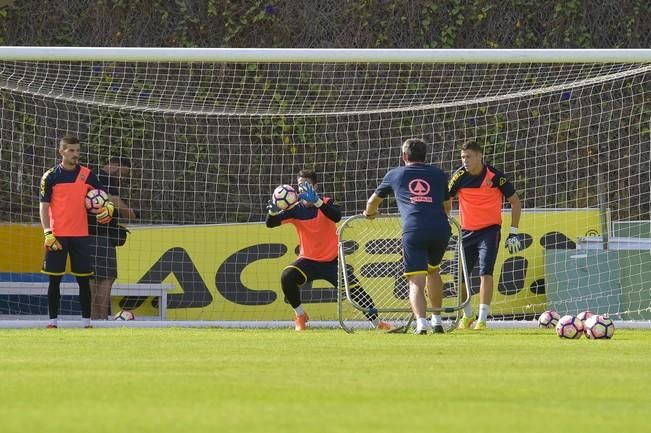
105 214
284 197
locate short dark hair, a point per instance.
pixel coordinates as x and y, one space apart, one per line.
471 145
120 160
68 139
415 149
309 174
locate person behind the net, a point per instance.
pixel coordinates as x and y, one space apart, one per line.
315 221
103 247
63 213
423 202
481 189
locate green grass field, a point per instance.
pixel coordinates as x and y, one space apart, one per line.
215 380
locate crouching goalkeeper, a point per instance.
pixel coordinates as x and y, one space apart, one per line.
315 221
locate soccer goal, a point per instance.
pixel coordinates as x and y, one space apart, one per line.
211 132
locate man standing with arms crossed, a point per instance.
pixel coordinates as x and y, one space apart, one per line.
422 195
63 216
481 189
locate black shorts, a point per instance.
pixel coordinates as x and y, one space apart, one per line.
104 259
329 271
78 248
481 245
422 252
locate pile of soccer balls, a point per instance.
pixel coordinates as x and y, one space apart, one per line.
594 326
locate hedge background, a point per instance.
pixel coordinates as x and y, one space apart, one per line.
329 23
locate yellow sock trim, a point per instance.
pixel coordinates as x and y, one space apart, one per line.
408 274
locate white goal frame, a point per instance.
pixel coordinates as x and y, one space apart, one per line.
335 55
277 55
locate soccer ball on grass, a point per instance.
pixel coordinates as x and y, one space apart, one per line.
124 315
548 319
569 327
584 315
598 327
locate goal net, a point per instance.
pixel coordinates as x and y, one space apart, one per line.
210 133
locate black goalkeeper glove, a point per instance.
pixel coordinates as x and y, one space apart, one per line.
512 242
272 209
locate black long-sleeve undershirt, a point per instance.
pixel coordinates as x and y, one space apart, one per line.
330 210
273 220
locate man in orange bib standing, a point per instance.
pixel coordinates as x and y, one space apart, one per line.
481 190
65 227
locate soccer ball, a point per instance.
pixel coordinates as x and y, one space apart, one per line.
548 319
285 196
584 315
95 200
124 315
569 327
598 327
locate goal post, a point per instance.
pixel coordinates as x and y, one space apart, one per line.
211 132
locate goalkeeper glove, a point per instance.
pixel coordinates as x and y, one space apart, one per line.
272 208
512 242
105 214
51 242
309 195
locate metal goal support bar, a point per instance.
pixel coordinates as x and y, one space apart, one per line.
370 268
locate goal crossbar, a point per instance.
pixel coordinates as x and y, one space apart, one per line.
334 55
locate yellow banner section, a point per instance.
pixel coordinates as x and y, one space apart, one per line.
232 272
518 279
22 248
